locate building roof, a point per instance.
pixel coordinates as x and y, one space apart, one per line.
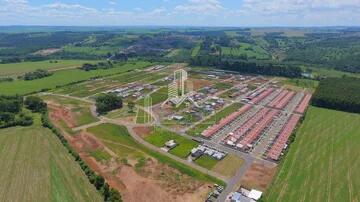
255 194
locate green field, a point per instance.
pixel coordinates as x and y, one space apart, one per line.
206 162
157 97
143 117
323 162
195 51
160 136
36 167
118 139
214 119
251 51
302 83
15 69
95 51
64 77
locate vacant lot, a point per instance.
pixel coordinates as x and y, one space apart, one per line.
160 136
323 163
36 167
157 97
64 77
214 119
77 110
160 178
15 69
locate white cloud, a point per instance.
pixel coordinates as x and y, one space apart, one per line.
200 7
192 12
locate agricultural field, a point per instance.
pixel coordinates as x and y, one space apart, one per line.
249 50
17 69
35 166
323 159
63 77
197 129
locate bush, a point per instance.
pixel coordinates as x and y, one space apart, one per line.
35 104
107 102
38 74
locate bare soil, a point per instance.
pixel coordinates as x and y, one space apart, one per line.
259 176
62 113
143 132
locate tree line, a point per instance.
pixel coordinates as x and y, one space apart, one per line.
37 74
247 67
339 94
109 194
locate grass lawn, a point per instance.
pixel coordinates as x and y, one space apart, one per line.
302 83
323 162
157 97
198 129
206 162
36 167
229 165
117 138
143 117
223 85
100 155
160 136
15 69
63 77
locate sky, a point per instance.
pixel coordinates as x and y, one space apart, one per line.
237 13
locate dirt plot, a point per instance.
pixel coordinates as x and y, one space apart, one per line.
160 183
199 83
259 176
150 181
58 113
143 131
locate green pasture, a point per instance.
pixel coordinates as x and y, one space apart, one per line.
64 77
16 69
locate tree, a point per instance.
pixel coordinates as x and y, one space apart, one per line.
107 102
131 106
114 196
35 104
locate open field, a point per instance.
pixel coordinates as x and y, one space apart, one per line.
206 162
246 49
78 111
229 165
157 97
214 119
143 117
36 167
160 136
64 77
323 159
302 83
117 138
15 69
